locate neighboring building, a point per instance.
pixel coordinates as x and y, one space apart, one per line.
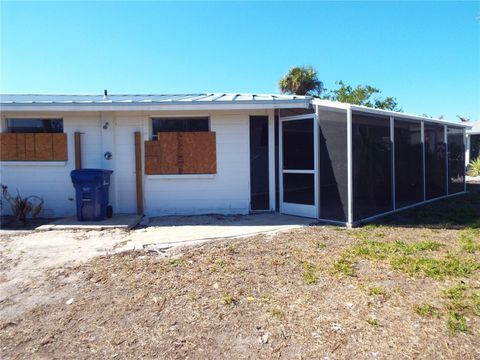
473 141
230 154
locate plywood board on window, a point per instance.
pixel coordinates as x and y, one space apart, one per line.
8 148
21 151
33 147
29 146
199 153
181 153
161 155
60 147
43 147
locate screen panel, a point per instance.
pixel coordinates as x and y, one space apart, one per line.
474 146
297 144
333 175
435 160
259 171
299 188
371 165
456 160
408 162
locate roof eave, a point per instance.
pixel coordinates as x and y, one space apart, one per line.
234 105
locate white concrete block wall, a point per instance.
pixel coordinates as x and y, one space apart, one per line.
51 180
227 192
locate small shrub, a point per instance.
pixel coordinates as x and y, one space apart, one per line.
373 322
22 207
474 167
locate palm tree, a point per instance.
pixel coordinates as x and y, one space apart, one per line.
301 80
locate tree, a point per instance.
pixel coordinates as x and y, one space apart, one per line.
301 81
361 95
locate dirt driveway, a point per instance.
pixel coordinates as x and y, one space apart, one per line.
29 258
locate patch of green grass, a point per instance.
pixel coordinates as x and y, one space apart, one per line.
278 313
470 240
453 266
175 262
377 250
476 303
456 322
310 273
320 244
426 310
373 322
344 266
377 291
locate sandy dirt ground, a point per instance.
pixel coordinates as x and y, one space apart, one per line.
28 258
407 287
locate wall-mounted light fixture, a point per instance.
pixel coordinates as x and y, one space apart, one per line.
105 126
108 155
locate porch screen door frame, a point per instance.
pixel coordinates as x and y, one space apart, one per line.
294 208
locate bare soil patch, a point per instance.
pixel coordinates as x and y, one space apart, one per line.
396 295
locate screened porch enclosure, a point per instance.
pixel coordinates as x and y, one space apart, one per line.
351 164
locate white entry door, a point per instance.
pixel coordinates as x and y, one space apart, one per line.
298 165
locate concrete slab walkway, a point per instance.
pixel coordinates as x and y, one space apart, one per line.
185 229
118 221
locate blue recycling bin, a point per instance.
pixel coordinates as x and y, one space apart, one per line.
91 193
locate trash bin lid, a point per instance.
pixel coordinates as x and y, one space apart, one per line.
82 175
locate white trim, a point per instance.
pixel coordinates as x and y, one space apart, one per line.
211 106
33 163
180 176
349 166
298 171
310 211
299 210
345 106
298 117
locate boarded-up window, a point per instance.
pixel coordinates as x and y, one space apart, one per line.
181 153
33 147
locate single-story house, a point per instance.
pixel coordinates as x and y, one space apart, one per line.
473 141
230 154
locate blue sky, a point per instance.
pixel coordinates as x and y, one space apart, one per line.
425 54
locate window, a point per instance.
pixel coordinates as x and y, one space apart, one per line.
181 146
34 126
184 124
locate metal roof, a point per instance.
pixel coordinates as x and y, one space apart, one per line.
360 108
144 102
475 127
